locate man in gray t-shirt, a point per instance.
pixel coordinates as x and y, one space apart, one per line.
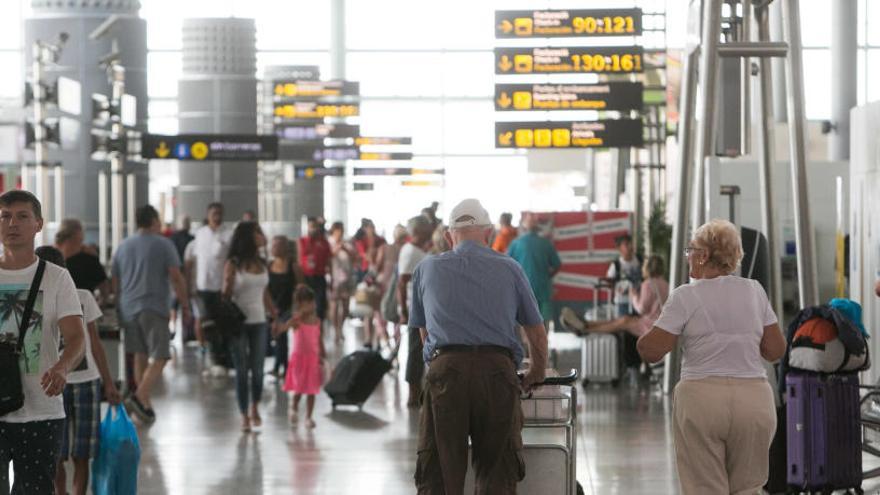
144 267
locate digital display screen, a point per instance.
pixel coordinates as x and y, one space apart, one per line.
567 23
617 133
569 60
316 132
621 96
285 89
314 110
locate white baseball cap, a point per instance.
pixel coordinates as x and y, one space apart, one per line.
469 213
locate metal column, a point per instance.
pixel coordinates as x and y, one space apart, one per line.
335 188
103 252
131 206
764 104
117 158
678 269
777 65
844 88
41 178
708 74
794 79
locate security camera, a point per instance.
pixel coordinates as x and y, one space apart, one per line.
104 28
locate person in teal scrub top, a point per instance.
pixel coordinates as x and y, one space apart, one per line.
539 259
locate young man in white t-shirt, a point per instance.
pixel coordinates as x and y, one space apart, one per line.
411 254
83 392
31 436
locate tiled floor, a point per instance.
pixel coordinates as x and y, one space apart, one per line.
195 448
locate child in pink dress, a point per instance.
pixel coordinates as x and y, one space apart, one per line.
306 361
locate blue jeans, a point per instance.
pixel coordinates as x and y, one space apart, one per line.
248 355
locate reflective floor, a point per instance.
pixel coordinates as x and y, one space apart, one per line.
195 447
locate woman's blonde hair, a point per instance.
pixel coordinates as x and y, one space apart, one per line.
722 243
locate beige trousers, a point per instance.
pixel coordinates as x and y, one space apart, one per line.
723 429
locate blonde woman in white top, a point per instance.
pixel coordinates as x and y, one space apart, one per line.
724 414
246 283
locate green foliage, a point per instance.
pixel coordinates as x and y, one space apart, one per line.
660 232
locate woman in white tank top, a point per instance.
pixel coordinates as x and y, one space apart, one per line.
724 410
246 283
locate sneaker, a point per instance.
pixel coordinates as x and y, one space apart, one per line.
571 321
218 371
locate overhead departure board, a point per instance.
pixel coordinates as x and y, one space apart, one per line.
284 89
200 147
375 171
622 96
314 110
616 133
317 171
316 132
382 141
569 60
568 23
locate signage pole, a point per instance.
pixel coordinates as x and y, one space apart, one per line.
116 73
764 96
708 74
794 80
131 199
59 193
41 180
104 254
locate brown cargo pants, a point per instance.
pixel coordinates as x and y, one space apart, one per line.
476 395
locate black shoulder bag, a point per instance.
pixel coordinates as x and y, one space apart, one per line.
11 391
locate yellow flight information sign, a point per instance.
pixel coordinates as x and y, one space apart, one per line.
620 96
200 147
314 89
569 60
615 133
568 23
315 110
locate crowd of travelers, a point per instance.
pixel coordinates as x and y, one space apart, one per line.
459 291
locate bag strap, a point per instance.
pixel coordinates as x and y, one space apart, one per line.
29 305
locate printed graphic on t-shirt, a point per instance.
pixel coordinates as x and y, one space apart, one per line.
13 298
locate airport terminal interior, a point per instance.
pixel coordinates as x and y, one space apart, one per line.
683 190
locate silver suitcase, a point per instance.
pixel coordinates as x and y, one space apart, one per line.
600 353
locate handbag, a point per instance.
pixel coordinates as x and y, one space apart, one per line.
11 391
230 317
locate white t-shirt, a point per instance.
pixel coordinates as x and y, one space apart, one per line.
721 323
86 370
57 299
248 292
210 248
631 273
410 257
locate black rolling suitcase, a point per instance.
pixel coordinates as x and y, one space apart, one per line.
355 378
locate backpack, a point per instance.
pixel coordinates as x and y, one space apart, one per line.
821 339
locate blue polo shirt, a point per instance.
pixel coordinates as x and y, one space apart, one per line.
472 295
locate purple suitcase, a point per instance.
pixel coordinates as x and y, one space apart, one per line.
824 432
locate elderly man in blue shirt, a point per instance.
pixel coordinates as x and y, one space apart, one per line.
468 304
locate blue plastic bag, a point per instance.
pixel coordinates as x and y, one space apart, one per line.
114 471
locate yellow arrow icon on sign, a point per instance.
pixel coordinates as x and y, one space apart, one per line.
506 26
504 100
505 64
506 138
163 150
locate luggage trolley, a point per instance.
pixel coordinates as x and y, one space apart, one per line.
549 439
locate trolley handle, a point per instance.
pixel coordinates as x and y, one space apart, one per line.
568 379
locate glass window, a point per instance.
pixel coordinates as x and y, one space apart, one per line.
288 25
815 22
163 71
862 76
397 74
12 26
873 23
321 59
162 125
468 74
162 109
422 120
12 84
817 83
873 75
469 127
481 177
